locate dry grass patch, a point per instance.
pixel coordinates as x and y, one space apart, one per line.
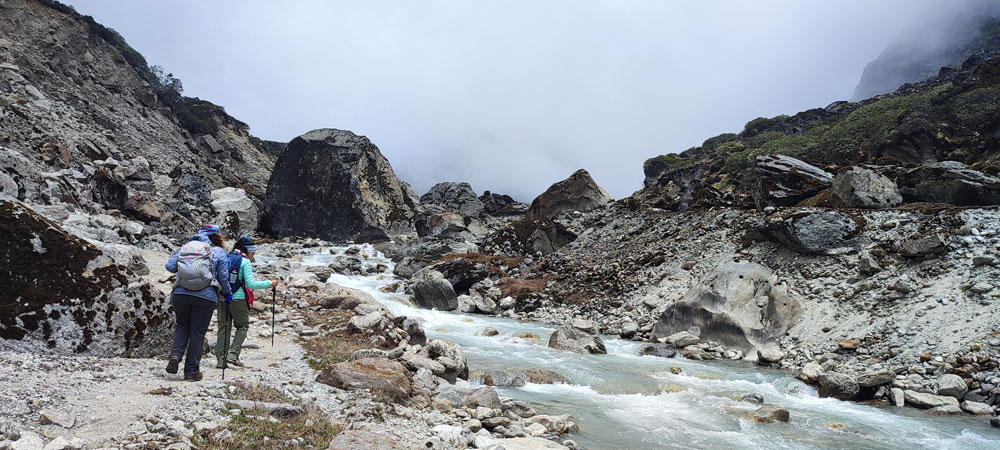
254 430
521 288
327 349
257 393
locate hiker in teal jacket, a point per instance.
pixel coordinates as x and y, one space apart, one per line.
239 309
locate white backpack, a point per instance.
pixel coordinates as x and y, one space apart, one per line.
194 266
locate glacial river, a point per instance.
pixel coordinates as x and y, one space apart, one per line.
622 400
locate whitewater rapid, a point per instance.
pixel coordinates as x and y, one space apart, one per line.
626 401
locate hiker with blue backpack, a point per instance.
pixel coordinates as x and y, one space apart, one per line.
201 282
242 283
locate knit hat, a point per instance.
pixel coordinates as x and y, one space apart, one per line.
209 229
251 248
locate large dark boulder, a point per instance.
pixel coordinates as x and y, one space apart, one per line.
432 290
64 295
579 192
814 231
501 205
461 272
335 185
456 197
740 304
949 182
786 181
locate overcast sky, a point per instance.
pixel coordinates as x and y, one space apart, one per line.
513 96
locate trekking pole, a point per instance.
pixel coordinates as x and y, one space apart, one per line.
225 348
273 290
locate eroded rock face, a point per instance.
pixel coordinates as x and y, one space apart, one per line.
336 185
101 308
454 196
579 192
740 305
949 182
786 181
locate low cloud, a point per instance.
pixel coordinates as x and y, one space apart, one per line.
513 96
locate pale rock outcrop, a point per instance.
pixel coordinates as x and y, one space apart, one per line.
859 187
236 214
741 305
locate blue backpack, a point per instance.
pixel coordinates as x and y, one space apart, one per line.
235 283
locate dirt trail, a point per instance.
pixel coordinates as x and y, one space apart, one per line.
110 401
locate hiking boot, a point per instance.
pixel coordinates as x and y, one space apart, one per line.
235 363
172 364
195 377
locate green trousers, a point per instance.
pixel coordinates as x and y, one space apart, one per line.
238 315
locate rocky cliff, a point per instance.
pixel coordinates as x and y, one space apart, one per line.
85 122
913 59
98 158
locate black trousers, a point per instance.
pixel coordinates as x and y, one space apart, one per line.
194 314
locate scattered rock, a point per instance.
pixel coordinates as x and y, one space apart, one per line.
923 245
361 440
568 338
877 378
924 400
770 413
837 385
951 385
433 291
369 373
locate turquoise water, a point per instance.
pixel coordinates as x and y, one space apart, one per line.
626 401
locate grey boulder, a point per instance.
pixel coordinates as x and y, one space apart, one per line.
432 290
786 181
454 196
573 339
863 188
814 231
579 192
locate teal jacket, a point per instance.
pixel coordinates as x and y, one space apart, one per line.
246 274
